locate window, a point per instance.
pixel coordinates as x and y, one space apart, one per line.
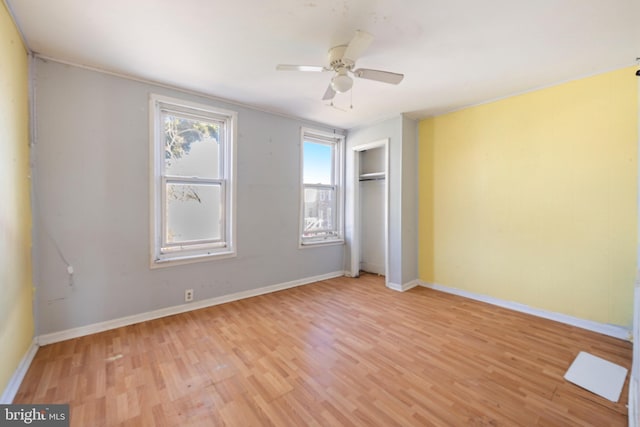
192 175
322 206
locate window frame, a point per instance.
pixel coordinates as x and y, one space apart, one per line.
338 142
162 252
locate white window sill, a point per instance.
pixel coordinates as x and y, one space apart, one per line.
316 243
191 259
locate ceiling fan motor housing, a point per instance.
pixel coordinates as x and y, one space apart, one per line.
337 60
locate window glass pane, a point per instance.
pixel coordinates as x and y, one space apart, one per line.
319 210
193 212
191 147
318 163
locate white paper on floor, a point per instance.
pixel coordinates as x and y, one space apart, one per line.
597 375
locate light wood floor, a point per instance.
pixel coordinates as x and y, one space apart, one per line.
338 352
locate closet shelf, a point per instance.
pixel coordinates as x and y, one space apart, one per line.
372 176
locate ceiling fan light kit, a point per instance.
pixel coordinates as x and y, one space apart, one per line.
342 61
341 82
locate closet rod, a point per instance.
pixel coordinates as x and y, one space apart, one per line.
381 178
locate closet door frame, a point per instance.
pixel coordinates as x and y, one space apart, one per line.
355 220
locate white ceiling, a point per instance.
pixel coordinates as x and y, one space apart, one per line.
453 53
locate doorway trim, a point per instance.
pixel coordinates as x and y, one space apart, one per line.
354 268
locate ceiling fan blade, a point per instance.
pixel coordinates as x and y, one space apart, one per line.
357 46
379 76
329 94
288 67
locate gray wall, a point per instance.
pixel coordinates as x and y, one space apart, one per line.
409 200
91 186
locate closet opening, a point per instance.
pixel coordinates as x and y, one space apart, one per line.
369 249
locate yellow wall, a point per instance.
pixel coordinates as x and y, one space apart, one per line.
532 199
16 314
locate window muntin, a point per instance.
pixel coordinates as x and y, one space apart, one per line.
322 215
192 178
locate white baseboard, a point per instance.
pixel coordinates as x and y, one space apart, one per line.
404 287
633 401
14 383
170 311
601 328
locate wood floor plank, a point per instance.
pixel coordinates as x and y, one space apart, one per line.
338 352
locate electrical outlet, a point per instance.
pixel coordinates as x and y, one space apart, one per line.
188 295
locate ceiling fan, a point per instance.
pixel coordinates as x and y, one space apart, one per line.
342 61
